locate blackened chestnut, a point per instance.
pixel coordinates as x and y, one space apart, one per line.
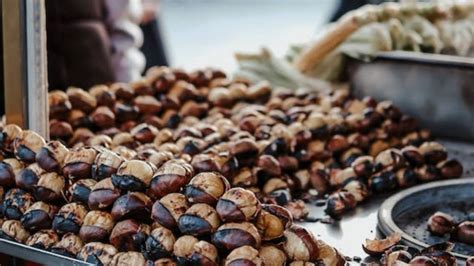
103 195
9 168
27 178
69 245
300 244
129 258
406 177
129 235
43 239
238 205
199 220
272 221
244 255
412 155
39 216
14 231
49 187
206 187
168 209
51 157
134 205
97 253
171 177
27 145
440 223
230 236
383 181
97 226
106 164
69 218
81 189
357 188
272 255
78 163
159 244
16 202
433 152
133 175
340 202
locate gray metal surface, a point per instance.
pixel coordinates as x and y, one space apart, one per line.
436 89
408 212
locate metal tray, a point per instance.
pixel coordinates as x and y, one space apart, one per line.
409 210
436 89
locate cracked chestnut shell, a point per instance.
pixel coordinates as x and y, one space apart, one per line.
51 157
59 105
230 236
134 205
159 244
206 187
103 117
129 235
245 150
406 177
330 255
103 195
238 205
43 239
363 166
464 232
81 189
171 177
440 223
9 168
69 245
16 202
169 209
272 255
13 230
183 249
8 135
412 155
69 218
204 253
106 164
97 253
390 159
133 175
376 247
433 152
129 258
78 163
199 220
27 144
244 255
300 244
340 202
39 216
81 99
272 221
357 188
422 261
28 178
103 95
144 133
96 227
49 187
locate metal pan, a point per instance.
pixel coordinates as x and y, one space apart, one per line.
408 212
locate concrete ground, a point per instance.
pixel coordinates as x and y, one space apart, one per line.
200 33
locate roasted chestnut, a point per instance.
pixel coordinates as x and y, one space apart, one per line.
128 258
422 260
103 195
464 232
298 209
204 253
433 152
339 177
406 177
383 181
59 105
300 244
412 155
106 164
97 253
81 99
129 235
103 95
171 177
206 187
69 245
272 221
183 249
133 175
245 150
427 173
38 216
9 134
78 163
391 258
238 205
169 209
103 117
199 220
51 157
450 168
376 247
357 188
15 203
69 218
272 255
164 262
27 144
470 261
230 236
97 226
340 202
277 189
80 190
13 230
159 244
440 223
9 168
244 255
43 239
144 133
329 255
49 187
134 205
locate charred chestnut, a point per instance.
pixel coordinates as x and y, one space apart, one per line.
206 188
272 221
9 168
300 244
81 189
69 218
272 255
26 145
357 188
135 205
49 187
169 209
199 220
51 157
238 205
43 239
106 164
406 177
14 231
427 173
340 202
97 226
230 236
383 181
204 253
128 235
28 178
171 177
69 245
440 223
464 232
97 253
59 105
78 163
128 258
159 244
38 216
15 203
133 175
433 152
244 255
103 195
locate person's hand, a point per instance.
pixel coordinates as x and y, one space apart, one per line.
150 9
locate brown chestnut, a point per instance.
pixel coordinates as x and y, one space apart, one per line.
412 155
129 258
13 230
27 144
128 235
51 157
159 244
440 223
340 202
147 104
464 232
103 117
81 189
244 255
433 152
69 245
238 205
450 168
135 205
16 202
103 195
206 187
106 164
80 135
390 159
133 175
329 255
97 253
9 168
81 99
122 91
43 239
49 187
357 188
97 226
272 255
245 150
300 244
406 177
69 218
38 216
59 105
144 133
230 236
169 209
78 163
199 220
8 135
171 177
272 221
103 95
100 140
422 261
363 166
27 178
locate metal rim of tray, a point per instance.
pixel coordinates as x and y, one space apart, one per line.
384 216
